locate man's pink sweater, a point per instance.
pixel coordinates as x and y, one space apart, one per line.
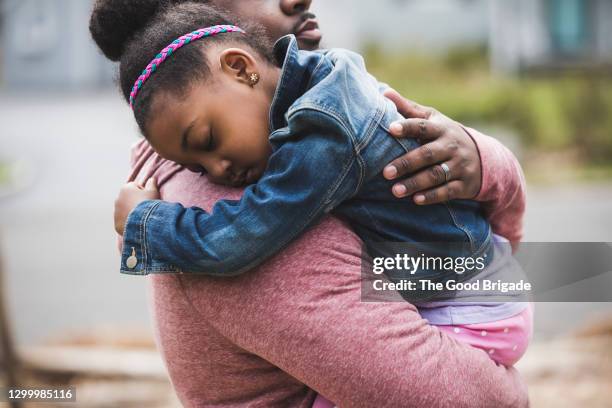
296 324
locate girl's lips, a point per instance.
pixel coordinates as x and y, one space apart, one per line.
244 178
251 176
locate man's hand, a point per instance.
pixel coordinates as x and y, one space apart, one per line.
130 196
443 141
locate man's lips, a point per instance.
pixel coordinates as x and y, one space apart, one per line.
309 30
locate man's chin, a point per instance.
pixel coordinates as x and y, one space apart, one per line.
308 44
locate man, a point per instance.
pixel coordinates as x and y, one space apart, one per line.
296 324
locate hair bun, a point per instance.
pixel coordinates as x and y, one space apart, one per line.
114 22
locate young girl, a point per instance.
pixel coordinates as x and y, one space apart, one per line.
308 128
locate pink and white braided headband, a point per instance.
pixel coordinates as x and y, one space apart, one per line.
175 45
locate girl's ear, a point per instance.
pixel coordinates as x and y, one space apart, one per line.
239 64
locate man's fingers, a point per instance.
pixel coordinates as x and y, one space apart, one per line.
442 194
406 107
422 129
432 177
417 159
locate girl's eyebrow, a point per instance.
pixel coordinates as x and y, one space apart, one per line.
185 138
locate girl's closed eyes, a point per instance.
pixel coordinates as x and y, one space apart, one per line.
236 149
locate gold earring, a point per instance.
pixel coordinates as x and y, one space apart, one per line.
254 79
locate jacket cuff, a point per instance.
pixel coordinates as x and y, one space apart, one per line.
135 256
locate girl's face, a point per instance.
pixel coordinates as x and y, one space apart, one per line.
220 126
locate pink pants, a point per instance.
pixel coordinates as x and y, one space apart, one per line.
505 341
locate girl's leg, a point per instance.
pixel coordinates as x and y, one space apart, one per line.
505 340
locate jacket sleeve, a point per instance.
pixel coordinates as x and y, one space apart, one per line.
503 187
312 170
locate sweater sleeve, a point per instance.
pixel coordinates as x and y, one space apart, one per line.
503 186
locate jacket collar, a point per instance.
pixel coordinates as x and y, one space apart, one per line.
297 68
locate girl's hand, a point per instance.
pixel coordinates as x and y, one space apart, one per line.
130 196
443 141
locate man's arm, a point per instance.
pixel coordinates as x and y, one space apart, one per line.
481 168
503 188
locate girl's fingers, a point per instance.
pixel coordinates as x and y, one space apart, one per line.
133 185
151 184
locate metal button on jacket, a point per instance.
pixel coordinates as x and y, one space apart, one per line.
132 261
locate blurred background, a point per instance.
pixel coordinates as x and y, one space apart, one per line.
534 73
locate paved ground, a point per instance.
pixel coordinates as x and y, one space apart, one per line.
57 235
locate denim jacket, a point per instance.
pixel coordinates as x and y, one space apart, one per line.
329 134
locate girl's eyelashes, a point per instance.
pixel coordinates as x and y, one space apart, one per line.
211 141
207 143
195 168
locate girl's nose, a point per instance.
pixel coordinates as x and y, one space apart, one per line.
220 169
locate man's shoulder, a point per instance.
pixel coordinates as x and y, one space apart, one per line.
146 163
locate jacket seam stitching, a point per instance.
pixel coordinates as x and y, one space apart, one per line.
355 156
145 248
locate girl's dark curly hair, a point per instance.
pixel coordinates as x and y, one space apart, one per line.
134 31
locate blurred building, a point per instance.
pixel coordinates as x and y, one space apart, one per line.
521 34
427 26
550 34
46 44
